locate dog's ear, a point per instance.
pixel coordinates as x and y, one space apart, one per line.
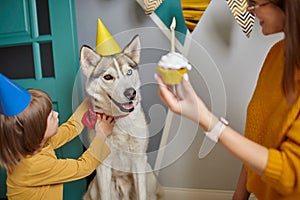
88 60
133 49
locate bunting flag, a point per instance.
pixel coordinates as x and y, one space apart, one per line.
244 18
238 8
151 5
162 16
192 11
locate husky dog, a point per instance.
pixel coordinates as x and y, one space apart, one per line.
112 85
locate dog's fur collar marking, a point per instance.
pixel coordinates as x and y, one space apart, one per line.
89 118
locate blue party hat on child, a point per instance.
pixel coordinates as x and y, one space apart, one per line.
13 98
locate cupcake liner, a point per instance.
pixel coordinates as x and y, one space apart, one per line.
171 76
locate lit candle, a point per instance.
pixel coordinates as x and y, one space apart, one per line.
172 27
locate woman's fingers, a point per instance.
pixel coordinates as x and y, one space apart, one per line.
168 97
188 88
179 93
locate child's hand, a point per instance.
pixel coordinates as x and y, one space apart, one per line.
104 125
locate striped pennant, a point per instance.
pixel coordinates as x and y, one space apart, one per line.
244 18
151 5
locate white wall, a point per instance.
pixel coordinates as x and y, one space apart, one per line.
224 75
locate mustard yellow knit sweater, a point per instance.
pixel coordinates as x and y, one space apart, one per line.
274 124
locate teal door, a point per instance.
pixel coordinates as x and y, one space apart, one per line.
38 49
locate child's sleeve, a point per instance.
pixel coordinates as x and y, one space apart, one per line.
48 170
70 129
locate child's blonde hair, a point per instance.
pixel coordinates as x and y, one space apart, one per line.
22 135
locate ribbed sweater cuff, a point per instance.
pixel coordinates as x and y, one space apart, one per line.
99 149
274 170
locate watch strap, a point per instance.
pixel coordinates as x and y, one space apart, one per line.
217 130
212 137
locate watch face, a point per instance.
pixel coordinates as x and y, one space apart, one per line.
224 121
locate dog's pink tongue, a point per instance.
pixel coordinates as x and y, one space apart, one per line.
127 105
89 119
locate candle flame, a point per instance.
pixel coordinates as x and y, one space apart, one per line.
172 27
173 24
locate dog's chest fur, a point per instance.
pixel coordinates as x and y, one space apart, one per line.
130 134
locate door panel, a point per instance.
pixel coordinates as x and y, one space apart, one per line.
38 49
12 24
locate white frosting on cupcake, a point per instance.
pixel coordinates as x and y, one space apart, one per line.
174 60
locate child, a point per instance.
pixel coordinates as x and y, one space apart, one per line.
29 136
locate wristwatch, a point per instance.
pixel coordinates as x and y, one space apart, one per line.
212 137
215 133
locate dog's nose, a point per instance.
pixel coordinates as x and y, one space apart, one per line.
130 93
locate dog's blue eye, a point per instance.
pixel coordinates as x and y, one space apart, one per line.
129 72
108 77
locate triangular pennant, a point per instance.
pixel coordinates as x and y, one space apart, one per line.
163 16
244 18
192 11
151 6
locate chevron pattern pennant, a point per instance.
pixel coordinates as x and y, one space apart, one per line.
244 18
151 5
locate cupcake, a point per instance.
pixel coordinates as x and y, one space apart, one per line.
171 68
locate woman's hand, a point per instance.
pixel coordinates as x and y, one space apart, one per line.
104 125
187 104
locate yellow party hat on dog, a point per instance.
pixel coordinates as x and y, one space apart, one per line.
105 43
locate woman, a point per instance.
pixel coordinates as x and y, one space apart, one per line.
270 150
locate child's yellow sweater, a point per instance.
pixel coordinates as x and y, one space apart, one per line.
271 122
41 176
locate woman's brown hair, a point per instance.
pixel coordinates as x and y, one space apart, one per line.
22 135
291 8
292 47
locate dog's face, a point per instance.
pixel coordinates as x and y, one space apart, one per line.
113 81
